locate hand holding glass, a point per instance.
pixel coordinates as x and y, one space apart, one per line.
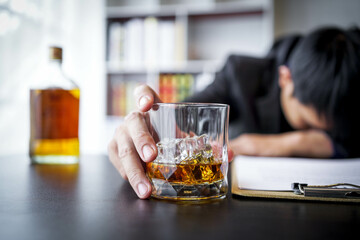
192 160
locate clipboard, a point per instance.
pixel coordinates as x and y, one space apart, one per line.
290 195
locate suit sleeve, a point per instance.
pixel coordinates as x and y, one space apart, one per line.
345 148
339 150
237 84
219 91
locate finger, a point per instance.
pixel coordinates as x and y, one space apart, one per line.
140 135
192 134
114 158
179 133
145 97
230 154
132 166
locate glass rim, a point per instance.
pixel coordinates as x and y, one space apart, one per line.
192 104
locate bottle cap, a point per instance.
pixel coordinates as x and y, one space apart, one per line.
55 53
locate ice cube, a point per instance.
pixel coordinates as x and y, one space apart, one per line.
170 150
160 156
183 150
202 141
178 147
192 146
207 152
165 150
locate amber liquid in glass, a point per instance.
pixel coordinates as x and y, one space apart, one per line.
193 179
54 121
186 173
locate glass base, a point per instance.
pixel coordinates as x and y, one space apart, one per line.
54 159
174 191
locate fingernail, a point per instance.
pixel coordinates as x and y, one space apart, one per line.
143 101
142 189
148 152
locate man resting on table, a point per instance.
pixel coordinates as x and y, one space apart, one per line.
300 100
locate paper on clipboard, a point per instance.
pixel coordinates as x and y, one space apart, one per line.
277 174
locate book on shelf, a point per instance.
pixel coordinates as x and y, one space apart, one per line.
150 42
122 98
116 42
133 41
180 48
166 42
172 88
175 87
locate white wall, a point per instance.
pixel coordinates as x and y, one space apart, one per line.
77 25
85 63
295 16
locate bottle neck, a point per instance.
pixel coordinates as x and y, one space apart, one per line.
55 64
56 77
52 76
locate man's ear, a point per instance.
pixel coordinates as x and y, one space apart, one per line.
284 76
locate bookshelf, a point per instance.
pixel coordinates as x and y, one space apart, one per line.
172 44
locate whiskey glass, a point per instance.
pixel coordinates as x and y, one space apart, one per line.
192 160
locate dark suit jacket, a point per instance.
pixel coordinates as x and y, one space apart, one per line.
250 86
247 84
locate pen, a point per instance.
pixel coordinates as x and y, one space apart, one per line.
339 190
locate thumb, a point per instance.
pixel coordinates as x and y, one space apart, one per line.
145 97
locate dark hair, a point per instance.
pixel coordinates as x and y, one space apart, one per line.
325 68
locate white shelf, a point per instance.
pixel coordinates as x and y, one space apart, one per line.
211 32
173 10
192 66
230 7
132 12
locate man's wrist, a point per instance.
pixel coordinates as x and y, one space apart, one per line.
291 141
308 143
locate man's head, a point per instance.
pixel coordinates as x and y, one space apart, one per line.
320 85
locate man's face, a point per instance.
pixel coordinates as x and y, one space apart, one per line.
298 115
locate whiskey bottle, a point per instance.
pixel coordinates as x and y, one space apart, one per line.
54 116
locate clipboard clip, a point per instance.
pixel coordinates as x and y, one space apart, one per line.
339 190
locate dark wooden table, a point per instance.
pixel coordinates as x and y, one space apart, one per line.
91 201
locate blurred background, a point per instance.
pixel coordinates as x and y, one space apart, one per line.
112 46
